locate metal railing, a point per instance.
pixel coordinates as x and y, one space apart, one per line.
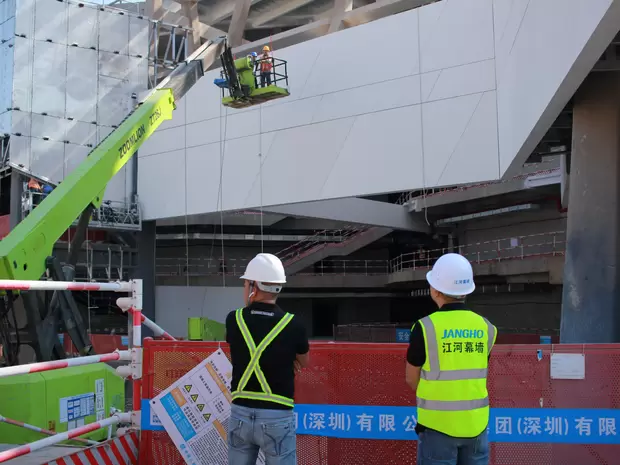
317 241
111 214
496 250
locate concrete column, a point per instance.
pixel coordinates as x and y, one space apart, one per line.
591 296
146 270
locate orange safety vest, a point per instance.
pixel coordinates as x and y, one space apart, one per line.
265 65
33 184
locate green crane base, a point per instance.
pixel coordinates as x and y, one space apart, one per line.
59 400
259 95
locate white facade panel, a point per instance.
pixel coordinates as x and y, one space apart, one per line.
544 51
81 91
440 95
23 63
114 31
83 27
49 82
50 21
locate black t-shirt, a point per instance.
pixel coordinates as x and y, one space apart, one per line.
416 353
276 362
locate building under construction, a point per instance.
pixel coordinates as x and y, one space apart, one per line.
392 132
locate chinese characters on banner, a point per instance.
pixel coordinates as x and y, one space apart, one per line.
571 426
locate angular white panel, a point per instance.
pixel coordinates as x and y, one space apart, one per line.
316 148
139 36
103 132
82 77
23 57
20 151
7 28
207 132
49 78
445 122
198 158
113 104
475 157
376 143
24 18
365 64
168 140
50 21
113 31
455 32
374 97
461 80
48 127
83 26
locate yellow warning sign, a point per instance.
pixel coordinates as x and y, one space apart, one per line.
188 387
201 407
194 397
206 416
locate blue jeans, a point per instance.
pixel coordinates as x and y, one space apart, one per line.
272 431
435 448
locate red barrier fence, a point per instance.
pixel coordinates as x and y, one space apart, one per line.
373 374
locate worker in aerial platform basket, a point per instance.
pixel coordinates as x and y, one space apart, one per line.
447 364
265 64
267 347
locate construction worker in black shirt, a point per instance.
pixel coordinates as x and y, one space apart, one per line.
267 347
447 365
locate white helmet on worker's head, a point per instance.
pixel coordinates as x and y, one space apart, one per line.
267 271
452 275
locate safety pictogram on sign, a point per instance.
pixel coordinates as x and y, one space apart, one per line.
206 416
194 397
188 387
201 407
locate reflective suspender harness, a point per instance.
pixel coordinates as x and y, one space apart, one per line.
452 396
254 366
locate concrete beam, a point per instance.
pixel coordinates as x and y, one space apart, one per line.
354 210
282 8
237 24
337 14
190 11
481 191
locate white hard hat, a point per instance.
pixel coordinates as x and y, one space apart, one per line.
452 275
265 268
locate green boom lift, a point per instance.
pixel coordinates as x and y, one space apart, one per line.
26 253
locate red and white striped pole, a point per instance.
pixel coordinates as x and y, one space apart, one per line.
158 331
36 429
61 437
69 362
136 349
15 285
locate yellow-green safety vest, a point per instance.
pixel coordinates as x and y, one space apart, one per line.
254 366
452 395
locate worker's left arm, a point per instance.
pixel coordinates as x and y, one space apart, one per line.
416 357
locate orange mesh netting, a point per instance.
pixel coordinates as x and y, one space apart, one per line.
373 374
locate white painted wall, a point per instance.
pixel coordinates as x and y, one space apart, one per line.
175 304
441 95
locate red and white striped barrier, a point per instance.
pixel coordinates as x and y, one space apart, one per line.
118 451
36 429
69 362
62 437
15 285
158 331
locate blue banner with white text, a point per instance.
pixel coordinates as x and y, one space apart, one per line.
508 425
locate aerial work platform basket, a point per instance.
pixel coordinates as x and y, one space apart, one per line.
242 85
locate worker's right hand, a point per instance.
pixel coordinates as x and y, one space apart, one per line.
297 367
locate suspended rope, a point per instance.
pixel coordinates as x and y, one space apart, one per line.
260 173
187 271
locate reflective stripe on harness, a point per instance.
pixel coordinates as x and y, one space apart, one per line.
254 366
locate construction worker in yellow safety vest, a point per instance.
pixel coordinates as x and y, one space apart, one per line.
267 348
447 364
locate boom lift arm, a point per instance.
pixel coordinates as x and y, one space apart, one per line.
26 252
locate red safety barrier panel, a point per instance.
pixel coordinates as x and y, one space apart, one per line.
373 374
102 343
523 338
